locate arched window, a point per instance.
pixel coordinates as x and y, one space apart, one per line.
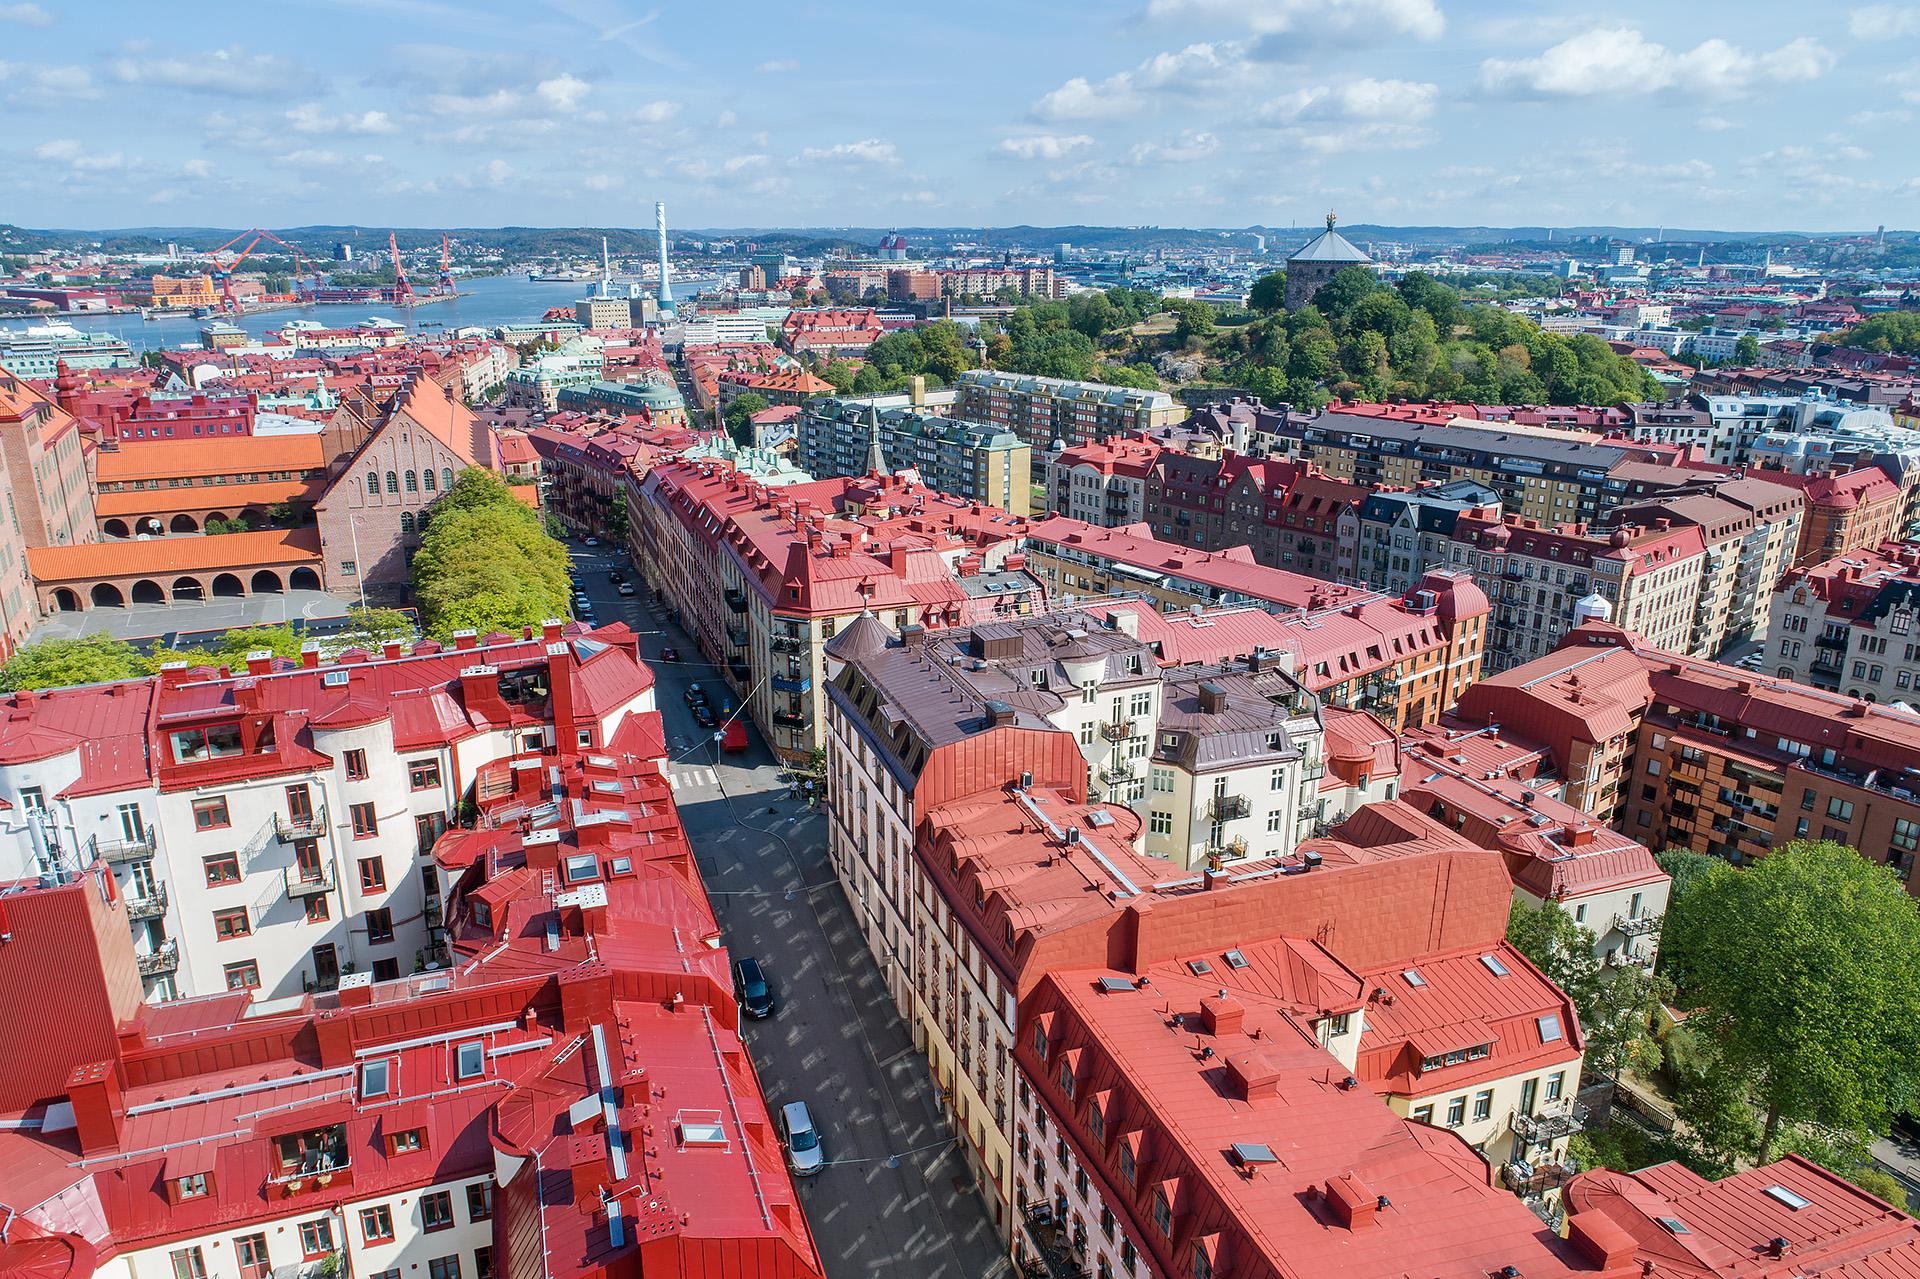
406 522
373 484
427 475
446 477
413 483
393 482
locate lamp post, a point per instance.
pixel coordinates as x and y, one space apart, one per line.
359 569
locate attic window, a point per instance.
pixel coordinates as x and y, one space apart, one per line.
375 1078
1235 959
702 1133
1495 966
1199 967
620 866
334 679
1673 1225
582 867
1549 1028
470 1060
1252 1152
1787 1197
1413 977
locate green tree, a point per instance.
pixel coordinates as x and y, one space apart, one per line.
1800 970
486 561
1092 313
1441 303
1196 321
740 415
1616 1005
55 663
1269 292
378 625
1134 375
1746 351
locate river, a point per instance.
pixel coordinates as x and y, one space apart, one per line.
482 303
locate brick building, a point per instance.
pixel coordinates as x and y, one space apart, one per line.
1845 512
1848 623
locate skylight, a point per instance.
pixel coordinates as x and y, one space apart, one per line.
1252 1152
1413 977
1198 967
1549 1028
1787 1197
1673 1225
702 1134
1235 959
1495 966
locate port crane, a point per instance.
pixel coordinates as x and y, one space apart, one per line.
223 268
402 288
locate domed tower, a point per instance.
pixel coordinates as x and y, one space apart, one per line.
1318 261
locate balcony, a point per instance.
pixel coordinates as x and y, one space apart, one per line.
431 913
301 825
1635 925
1227 808
1559 1119
315 1173
784 644
792 683
151 906
739 668
1233 849
1116 772
737 601
159 962
1528 1179
1056 1258
123 849
790 719
1117 732
302 883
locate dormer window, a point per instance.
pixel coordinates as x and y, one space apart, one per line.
1040 1041
193 1187
376 1078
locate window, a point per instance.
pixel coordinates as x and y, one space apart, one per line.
188 1263
1163 781
1160 822
210 814
385 1274
470 1060
373 484
405 1141
1555 1082
222 868
1549 1025
347 568
482 1257
1338 1024
251 1252
1423 1114
446 477
244 975
1162 1213
1457 1112
480 1201
375 1078
373 875
316 1237
379 925
436 1210
406 523
1128 1169
387 969
1066 1080
427 480
1906 834
317 911
365 824
1202 1268
376 1223
412 483
193 1187
393 482
1483 1104
1840 810
444 1268
423 774
231 923
356 761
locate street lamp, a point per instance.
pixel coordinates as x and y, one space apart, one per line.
359 569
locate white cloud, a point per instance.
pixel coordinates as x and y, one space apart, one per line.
1189 146
600 182
865 151
311 117
564 91
773 66
197 169
75 156
658 112
45 81
1312 21
27 15
1044 146
1125 93
1883 21
498 171
1618 60
725 120
1401 101
230 72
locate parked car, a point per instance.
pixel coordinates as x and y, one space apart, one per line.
696 696
802 1139
703 715
592 541
751 986
669 654
624 589
615 576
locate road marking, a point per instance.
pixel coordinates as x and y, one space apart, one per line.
692 777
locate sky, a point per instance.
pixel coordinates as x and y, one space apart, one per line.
1719 114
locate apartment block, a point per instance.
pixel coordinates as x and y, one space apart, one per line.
1405 533
1102 483
1047 411
971 460
1848 624
264 827
1845 512
1288 514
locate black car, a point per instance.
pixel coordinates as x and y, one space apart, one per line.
696 696
669 654
615 576
703 715
751 986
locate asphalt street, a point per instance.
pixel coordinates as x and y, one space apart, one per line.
894 1198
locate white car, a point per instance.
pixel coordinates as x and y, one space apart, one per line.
801 1139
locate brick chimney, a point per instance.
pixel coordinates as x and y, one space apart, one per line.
1251 1077
1352 1203
1222 1014
310 655
560 695
93 1090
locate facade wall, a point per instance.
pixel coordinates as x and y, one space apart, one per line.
367 539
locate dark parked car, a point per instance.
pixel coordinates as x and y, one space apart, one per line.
750 984
703 715
696 696
669 654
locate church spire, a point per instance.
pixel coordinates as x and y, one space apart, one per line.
876 460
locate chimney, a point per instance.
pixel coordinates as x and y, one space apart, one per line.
1251 1076
1213 698
999 714
560 694
173 674
1352 1203
356 990
550 630
310 655
1222 1015
390 650
465 640
93 1090
913 635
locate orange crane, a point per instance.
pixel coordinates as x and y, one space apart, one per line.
402 290
223 270
446 267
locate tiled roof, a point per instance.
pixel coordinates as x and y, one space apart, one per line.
173 555
231 498
224 455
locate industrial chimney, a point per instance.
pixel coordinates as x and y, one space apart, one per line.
665 294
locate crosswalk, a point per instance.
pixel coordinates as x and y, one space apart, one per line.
692 778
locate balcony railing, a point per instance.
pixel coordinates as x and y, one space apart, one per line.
1226 808
314 1174
1117 731
1635 925
301 826
1528 1179
792 719
302 882
124 849
737 601
1233 849
792 683
1056 1256
740 669
159 962
737 635
148 906
1561 1120
784 644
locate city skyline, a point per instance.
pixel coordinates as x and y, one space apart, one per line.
1171 112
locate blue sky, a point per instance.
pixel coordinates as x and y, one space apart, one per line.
1709 113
